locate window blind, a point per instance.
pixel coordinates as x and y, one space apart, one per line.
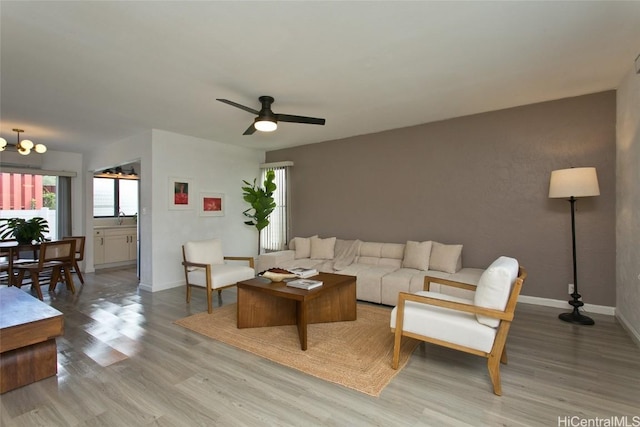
274 237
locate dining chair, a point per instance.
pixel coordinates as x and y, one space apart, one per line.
55 257
79 255
205 267
5 253
4 270
11 254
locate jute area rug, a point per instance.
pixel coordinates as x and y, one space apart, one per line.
354 354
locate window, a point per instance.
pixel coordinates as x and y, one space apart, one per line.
274 237
26 195
113 195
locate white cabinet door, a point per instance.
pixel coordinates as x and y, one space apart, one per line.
133 246
98 247
116 248
120 244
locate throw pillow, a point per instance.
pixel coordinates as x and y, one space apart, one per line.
303 247
322 248
447 258
416 255
204 252
494 288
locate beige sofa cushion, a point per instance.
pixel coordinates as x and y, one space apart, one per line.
447 258
322 248
416 255
375 253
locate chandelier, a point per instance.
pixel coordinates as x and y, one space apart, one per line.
25 146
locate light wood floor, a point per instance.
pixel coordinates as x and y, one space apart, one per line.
122 362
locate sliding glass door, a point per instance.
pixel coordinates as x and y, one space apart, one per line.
33 195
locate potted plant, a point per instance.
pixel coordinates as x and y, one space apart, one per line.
261 201
25 231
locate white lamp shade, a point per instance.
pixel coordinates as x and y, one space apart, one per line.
3 144
27 144
40 148
265 125
574 182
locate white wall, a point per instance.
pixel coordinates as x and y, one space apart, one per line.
628 204
212 167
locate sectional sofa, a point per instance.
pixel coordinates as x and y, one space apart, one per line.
382 270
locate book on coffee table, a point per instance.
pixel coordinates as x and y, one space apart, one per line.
303 273
307 284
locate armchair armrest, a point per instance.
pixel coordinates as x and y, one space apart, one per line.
194 264
241 258
453 305
446 282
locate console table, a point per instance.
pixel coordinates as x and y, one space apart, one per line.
28 328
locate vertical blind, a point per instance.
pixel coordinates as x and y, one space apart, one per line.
63 206
274 237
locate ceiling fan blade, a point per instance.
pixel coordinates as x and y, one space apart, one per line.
242 107
250 130
299 119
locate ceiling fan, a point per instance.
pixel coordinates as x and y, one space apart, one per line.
267 120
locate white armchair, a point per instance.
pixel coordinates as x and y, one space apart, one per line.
205 267
479 326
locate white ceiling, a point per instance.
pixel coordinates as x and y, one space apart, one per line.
77 75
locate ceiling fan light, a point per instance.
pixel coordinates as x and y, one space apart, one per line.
265 125
3 144
24 151
27 144
40 148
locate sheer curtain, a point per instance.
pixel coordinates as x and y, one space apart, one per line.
275 236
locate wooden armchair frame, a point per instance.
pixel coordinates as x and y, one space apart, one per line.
207 267
498 353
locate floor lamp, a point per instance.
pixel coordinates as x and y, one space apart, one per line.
571 184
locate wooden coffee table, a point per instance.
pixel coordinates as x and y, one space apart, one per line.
262 302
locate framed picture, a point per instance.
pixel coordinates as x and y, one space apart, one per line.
181 193
211 204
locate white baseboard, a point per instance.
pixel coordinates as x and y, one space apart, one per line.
145 287
635 334
588 308
164 286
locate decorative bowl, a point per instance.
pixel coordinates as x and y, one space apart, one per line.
277 277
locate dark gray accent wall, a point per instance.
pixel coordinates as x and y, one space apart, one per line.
479 180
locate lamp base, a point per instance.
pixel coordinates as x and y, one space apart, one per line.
576 317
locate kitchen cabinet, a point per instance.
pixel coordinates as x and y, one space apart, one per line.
118 244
